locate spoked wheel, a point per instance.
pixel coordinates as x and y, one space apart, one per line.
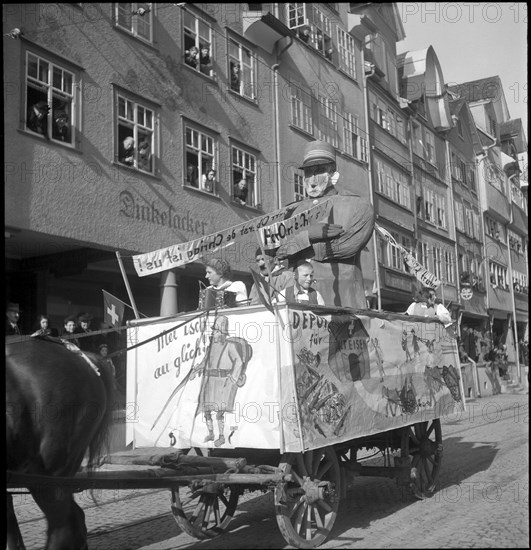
306 507
204 512
424 443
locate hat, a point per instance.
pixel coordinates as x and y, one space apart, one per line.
103 345
318 152
61 115
70 318
85 318
12 307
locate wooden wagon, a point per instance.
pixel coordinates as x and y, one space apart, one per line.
283 399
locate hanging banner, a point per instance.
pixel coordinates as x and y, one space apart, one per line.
181 254
426 277
240 378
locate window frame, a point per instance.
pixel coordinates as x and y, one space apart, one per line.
299 192
346 48
205 161
301 111
327 127
251 69
193 35
57 99
140 105
136 19
255 191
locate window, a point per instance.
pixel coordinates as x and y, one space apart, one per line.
459 127
301 109
494 229
51 109
313 27
136 19
515 242
423 254
347 52
493 175
242 70
518 197
520 282
244 181
449 266
200 160
437 262
364 150
392 183
136 134
417 140
472 179
492 127
350 131
459 216
387 118
328 121
498 276
298 185
430 146
197 35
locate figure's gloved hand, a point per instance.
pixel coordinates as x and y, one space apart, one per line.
324 231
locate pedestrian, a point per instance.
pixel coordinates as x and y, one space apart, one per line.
334 245
69 330
104 352
208 182
12 318
302 291
43 327
86 343
232 293
425 306
281 277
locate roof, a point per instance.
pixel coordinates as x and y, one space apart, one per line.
478 90
511 127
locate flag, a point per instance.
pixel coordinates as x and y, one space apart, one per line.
113 310
263 289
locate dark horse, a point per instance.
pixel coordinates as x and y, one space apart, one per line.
58 406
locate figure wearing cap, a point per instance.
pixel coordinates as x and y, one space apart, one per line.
334 245
12 317
223 370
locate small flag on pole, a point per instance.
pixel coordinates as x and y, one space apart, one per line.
113 310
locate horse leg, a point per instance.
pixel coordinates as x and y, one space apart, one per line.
66 520
13 535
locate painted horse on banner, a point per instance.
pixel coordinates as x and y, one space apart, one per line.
58 407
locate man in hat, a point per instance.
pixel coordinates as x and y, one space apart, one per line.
332 247
13 315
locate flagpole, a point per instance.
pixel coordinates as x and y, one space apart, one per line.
126 281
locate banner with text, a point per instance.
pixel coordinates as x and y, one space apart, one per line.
426 277
239 378
180 254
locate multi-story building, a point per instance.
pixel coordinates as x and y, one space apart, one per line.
504 209
116 114
464 146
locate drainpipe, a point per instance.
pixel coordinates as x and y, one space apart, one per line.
511 286
452 223
369 173
274 68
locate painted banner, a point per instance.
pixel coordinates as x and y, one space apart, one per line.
426 277
180 254
295 380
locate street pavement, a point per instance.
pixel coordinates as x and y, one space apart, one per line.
482 501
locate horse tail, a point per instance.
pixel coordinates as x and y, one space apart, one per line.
100 440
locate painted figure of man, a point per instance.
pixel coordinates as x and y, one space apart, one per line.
224 372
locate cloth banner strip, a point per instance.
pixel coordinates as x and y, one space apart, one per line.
426 277
181 254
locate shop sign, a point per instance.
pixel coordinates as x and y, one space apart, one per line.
466 293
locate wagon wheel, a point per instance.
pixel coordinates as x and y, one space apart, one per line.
204 512
306 507
423 441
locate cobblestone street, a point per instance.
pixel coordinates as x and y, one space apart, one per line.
482 501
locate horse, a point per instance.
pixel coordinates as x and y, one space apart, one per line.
58 407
